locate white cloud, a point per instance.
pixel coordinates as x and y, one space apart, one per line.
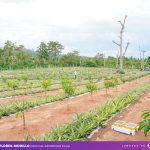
85 25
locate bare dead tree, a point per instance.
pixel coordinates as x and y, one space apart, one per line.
117 59
120 44
142 60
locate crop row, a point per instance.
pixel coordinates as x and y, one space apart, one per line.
11 108
32 90
85 123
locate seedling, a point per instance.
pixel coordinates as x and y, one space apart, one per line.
46 84
68 88
108 84
14 84
91 86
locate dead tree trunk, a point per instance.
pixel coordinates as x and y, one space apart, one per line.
120 44
142 61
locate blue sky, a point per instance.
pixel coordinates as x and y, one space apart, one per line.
88 26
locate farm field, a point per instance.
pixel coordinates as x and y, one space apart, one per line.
131 114
44 111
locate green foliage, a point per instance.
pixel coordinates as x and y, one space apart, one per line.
145 123
115 80
91 86
25 77
68 86
21 113
37 77
46 84
4 79
123 79
109 83
85 123
14 84
122 72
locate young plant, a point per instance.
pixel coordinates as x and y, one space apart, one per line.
46 84
108 84
14 84
145 123
68 88
116 82
25 78
123 79
21 112
91 87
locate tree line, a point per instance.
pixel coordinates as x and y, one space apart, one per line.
14 56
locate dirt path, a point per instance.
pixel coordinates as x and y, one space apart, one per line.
29 97
33 96
42 119
131 114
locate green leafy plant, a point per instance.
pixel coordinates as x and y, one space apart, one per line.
91 86
46 84
25 78
14 84
123 79
145 123
108 84
68 88
21 113
85 123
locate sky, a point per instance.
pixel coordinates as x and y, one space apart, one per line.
88 26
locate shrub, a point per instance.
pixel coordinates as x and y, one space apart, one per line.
14 84
46 84
108 84
91 86
123 79
68 88
25 78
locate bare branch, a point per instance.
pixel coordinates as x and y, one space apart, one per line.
116 43
125 19
128 43
120 23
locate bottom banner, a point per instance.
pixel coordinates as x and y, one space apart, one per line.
75 145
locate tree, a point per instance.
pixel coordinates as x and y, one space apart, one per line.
142 59
14 84
46 84
108 84
11 53
145 123
71 58
120 44
91 86
68 88
43 53
54 49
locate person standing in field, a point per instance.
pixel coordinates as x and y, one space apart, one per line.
75 74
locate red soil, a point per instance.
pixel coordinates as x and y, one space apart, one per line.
131 114
40 120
